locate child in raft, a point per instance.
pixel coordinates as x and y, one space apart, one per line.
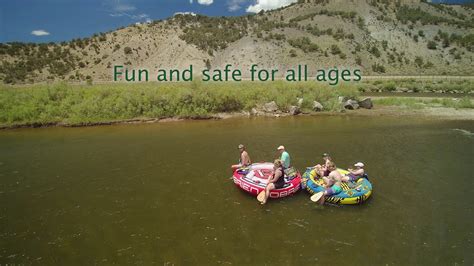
322 169
332 183
244 158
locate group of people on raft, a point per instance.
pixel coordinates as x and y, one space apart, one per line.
327 171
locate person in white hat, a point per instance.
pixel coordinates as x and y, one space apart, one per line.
244 159
355 174
284 157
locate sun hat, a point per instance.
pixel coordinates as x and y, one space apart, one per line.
281 147
359 164
325 154
241 146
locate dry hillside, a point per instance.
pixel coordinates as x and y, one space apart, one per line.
405 37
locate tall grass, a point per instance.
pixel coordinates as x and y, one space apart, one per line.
73 104
418 103
419 85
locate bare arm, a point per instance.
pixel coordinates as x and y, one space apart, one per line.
358 172
328 181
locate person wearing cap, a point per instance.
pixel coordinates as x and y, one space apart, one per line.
284 157
355 174
244 159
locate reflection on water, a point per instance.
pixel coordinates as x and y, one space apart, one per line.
464 132
161 193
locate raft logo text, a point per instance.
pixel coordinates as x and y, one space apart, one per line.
229 73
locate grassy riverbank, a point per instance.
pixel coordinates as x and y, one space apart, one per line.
430 85
65 104
419 102
75 105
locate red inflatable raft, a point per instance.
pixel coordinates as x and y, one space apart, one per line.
253 179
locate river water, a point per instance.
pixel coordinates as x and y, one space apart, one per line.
161 194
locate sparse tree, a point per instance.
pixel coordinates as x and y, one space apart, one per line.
431 45
127 50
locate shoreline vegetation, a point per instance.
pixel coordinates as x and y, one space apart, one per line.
64 104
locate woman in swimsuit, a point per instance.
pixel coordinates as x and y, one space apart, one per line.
275 181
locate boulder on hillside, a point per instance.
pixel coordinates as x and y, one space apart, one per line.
317 106
351 104
270 107
401 89
254 111
294 110
366 103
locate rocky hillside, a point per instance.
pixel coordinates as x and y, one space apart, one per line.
381 37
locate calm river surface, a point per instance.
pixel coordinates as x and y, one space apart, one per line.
161 193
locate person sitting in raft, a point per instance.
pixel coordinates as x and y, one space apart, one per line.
332 183
355 174
244 158
322 169
276 180
284 157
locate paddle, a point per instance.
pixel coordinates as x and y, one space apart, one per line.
316 197
261 196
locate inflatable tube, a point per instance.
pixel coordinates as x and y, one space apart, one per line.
253 180
352 192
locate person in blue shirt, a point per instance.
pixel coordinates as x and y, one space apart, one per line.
284 157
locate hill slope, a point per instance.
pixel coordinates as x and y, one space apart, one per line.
405 37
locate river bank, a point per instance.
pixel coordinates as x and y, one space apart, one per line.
442 113
106 104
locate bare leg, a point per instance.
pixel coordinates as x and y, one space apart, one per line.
323 199
267 192
346 178
236 166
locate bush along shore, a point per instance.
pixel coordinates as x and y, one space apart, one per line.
410 85
83 105
78 105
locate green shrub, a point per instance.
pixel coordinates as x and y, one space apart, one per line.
70 104
335 49
375 51
215 33
431 45
293 53
304 43
418 61
378 68
127 50
405 13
